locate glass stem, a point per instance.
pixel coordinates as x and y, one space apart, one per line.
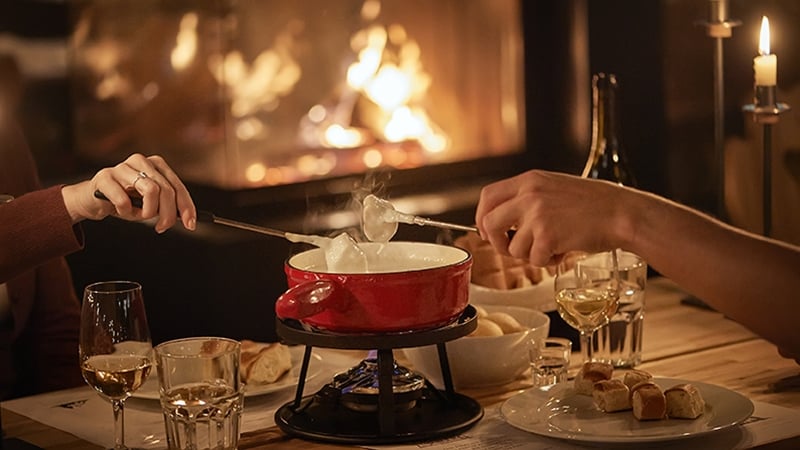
586 345
119 424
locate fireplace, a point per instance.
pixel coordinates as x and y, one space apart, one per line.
275 113
252 94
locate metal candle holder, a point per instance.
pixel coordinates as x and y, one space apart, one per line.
766 111
719 27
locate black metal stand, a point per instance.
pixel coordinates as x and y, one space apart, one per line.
719 27
435 413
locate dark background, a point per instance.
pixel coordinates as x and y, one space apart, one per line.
224 282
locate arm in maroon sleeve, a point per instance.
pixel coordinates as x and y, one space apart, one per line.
35 228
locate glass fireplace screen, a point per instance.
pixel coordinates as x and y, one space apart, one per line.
254 93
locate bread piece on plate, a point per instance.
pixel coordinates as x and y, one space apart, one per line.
636 376
684 401
648 401
590 373
264 363
611 395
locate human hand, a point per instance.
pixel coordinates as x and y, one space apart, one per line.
163 194
552 213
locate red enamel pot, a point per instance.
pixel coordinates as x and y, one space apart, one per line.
409 286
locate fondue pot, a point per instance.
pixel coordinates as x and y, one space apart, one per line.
407 286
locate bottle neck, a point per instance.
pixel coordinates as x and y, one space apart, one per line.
606 157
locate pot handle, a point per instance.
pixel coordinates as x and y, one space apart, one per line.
311 298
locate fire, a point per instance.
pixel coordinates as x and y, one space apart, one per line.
387 85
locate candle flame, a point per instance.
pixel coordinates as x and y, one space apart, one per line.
763 42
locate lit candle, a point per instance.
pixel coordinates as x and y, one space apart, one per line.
765 65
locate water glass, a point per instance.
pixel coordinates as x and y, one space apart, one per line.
620 341
201 395
550 360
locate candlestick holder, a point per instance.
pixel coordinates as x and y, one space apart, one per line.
719 27
766 111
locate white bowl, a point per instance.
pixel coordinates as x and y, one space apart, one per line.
540 296
484 360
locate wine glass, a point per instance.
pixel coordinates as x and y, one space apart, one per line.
587 295
115 350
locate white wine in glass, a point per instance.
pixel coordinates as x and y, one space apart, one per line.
586 297
115 349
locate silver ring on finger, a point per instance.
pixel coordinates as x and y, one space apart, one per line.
139 176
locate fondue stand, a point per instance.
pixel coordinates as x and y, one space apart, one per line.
378 402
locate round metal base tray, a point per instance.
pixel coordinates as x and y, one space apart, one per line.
433 417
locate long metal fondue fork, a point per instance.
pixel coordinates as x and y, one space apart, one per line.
208 217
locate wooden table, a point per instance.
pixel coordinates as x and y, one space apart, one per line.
680 341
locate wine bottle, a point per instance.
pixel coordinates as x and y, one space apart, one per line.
607 159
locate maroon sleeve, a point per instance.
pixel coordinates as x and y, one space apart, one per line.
47 347
39 351
35 228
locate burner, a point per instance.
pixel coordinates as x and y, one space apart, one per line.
433 416
378 401
359 386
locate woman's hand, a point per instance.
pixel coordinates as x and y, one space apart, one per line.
163 194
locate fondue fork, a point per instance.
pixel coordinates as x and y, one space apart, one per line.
208 217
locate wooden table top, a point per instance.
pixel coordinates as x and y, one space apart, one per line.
680 341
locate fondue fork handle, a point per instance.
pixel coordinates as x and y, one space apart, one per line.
208 217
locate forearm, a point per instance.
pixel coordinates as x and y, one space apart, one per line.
35 228
753 280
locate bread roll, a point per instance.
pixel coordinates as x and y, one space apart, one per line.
487 328
684 401
264 363
493 270
611 395
491 280
648 401
635 376
590 373
534 274
505 321
480 311
516 278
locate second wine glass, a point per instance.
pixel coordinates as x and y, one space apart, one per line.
587 295
115 349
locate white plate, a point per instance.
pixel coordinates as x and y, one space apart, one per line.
149 389
558 412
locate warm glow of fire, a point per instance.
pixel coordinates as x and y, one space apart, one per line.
341 137
388 74
372 158
257 87
185 42
255 172
763 38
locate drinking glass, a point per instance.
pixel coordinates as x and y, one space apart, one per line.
587 297
114 348
550 360
201 393
620 341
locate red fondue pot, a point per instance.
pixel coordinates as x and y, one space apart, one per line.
410 286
